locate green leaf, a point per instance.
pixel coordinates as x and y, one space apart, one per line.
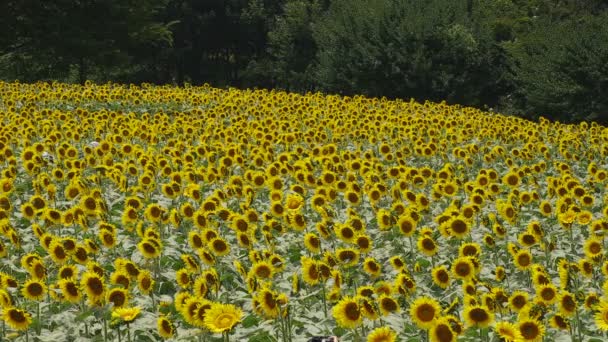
250 321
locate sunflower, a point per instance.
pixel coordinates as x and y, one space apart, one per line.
182 276
70 290
397 263
364 242
347 256
67 271
559 322
478 316
93 285
166 329
387 304
107 238
219 246
222 317
17 319
547 294
382 334
424 311
593 247
441 276
523 259
125 314
120 277
518 300
310 271
601 316
34 289
372 267
148 249
530 329
507 331
312 242
145 282
58 252
427 245
406 225
463 268
442 331
347 313
262 270
458 227
119 297
268 300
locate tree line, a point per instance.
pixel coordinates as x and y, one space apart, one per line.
527 57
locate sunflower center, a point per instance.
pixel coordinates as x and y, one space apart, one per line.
17 316
444 333
425 312
478 315
529 330
35 289
352 311
224 321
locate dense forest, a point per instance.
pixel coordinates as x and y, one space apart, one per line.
526 57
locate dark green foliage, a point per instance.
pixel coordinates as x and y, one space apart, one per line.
435 50
528 57
561 69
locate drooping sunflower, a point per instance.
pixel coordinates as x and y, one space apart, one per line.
424 311
347 313
222 317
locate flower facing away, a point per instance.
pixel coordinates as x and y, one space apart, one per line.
222 317
126 314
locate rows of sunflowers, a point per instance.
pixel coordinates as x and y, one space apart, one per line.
141 213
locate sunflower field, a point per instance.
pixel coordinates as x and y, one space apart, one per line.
143 213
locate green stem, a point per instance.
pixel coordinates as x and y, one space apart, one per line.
105 330
128 332
324 299
39 326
